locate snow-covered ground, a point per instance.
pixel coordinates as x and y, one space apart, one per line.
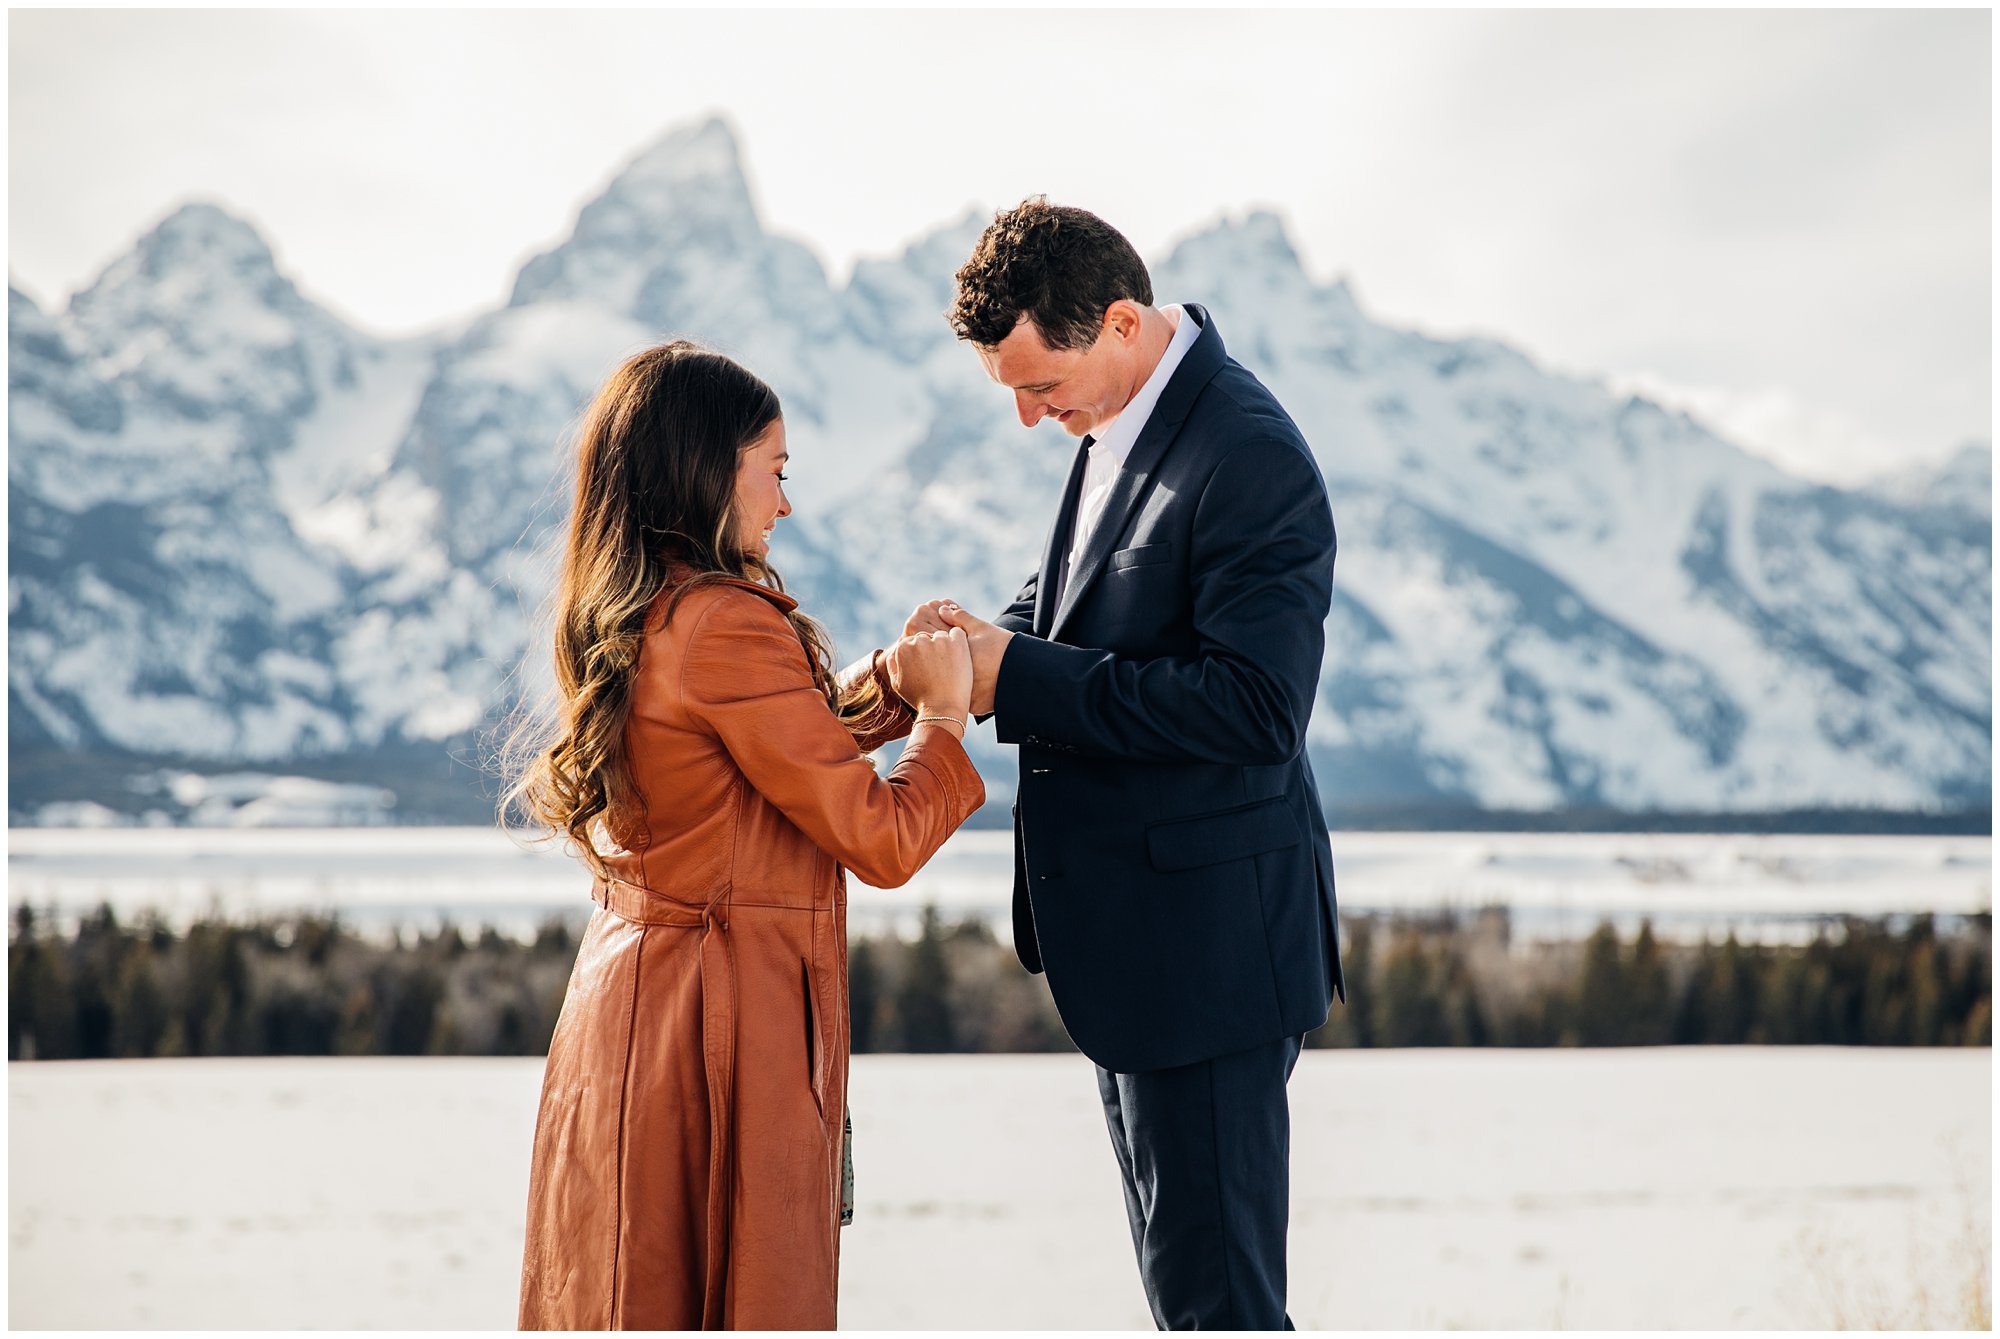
1708 1188
1556 883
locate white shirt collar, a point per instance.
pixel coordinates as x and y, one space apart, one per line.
1114 441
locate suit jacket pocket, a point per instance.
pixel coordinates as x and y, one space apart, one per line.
1233 834
1143 556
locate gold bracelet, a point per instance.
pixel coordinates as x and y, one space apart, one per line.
943 720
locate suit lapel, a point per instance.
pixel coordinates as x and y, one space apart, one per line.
1198 367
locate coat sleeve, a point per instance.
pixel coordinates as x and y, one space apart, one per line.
745 678
1261 573
1020 615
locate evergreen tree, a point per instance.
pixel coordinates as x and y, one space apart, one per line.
1603 996
1732 1005
1781 1001
1691 1020
139 1014
1357 963
864 995
924 1000
553 939
217 1023
1926 983
41 1021
94 962
1465 1020
1979 1023
1651 1018
23 965
291 1021
510 1037
357 1035
410 1017
315 937
1412 1006
1886 993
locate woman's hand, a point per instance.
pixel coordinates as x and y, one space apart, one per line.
929 617
932 671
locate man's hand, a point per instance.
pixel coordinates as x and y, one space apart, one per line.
927 618
932 671
989 644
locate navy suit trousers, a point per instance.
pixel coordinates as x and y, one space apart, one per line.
1205 1153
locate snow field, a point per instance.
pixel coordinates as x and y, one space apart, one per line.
1670 1188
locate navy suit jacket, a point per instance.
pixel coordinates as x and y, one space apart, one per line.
1172 871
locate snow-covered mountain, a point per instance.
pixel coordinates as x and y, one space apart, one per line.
244 535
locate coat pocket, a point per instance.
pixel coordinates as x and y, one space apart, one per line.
1232 834
815 1051
1145 555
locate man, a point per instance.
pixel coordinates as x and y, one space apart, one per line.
1172 872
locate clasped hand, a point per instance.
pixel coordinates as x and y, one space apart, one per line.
932 671
986 643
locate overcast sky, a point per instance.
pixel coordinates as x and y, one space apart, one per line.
1780 219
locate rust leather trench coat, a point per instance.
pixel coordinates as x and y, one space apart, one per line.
687 1151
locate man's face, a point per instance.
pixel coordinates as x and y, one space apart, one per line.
1082 389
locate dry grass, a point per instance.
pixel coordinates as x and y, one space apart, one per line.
1950 1272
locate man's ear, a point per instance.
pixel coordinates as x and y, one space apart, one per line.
1121 318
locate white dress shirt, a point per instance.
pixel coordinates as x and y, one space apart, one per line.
1112 442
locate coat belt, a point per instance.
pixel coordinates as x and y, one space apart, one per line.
650 907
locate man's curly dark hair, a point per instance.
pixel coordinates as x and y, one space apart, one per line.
1061 266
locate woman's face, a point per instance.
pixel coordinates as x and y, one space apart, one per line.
760 489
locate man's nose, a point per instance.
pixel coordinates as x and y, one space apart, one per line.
1032 409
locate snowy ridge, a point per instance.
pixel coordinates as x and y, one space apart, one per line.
244 534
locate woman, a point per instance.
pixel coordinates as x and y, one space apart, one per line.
710 768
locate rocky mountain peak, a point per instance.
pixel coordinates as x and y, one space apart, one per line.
1249 270
203 229
899 302
687 192
197 259
697 164
1258 243
198 313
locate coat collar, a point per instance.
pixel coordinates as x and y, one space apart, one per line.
1197 369
677 572
785 603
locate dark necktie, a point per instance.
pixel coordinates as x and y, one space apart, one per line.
1072 505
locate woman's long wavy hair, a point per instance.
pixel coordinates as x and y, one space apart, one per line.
653 514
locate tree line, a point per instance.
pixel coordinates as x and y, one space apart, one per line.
312 985
1436 981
